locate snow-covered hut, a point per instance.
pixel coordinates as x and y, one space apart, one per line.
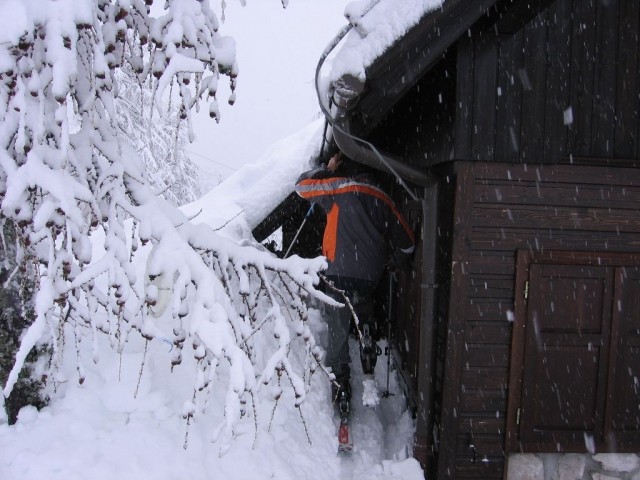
510 132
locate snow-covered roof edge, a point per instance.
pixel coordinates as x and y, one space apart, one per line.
378 24
243 200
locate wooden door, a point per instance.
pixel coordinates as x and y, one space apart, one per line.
576 341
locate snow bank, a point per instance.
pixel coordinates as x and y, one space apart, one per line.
120 425
103 430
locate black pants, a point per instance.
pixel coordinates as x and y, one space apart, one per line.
360 294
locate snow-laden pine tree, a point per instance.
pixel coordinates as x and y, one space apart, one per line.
67 173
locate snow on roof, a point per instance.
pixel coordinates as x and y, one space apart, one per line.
378 24
245 198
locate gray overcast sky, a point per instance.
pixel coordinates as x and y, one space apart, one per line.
277 51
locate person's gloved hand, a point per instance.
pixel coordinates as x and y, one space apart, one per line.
398 259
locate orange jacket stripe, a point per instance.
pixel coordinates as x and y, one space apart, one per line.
330 239
315 188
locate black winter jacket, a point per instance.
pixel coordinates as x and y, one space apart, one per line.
364 230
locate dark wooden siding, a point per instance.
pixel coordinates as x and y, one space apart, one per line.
564 85
406 307
500 209
429 111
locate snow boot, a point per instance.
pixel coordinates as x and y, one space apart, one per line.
369 351
341 395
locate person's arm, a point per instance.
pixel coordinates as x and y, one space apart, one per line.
402 240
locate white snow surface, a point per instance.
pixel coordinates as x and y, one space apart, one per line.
125 418
117 426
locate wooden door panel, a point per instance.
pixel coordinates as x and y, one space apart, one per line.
574 302
562 395
625 406
566 326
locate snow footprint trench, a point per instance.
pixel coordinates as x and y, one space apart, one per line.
381 434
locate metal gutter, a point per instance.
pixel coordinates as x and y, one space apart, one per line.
425 437
366 153
345 96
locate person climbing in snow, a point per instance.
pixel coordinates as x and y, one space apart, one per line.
364 234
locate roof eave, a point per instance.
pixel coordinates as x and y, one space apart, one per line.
406 61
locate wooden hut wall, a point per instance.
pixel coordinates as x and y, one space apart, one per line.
429 109
564 84
501 209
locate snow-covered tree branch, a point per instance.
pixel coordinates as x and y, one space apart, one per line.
67 172
160 138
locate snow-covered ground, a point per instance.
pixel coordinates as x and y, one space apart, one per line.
117 425
124 422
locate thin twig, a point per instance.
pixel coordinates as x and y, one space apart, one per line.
304 424
275 405
144 356
229 221
356 321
